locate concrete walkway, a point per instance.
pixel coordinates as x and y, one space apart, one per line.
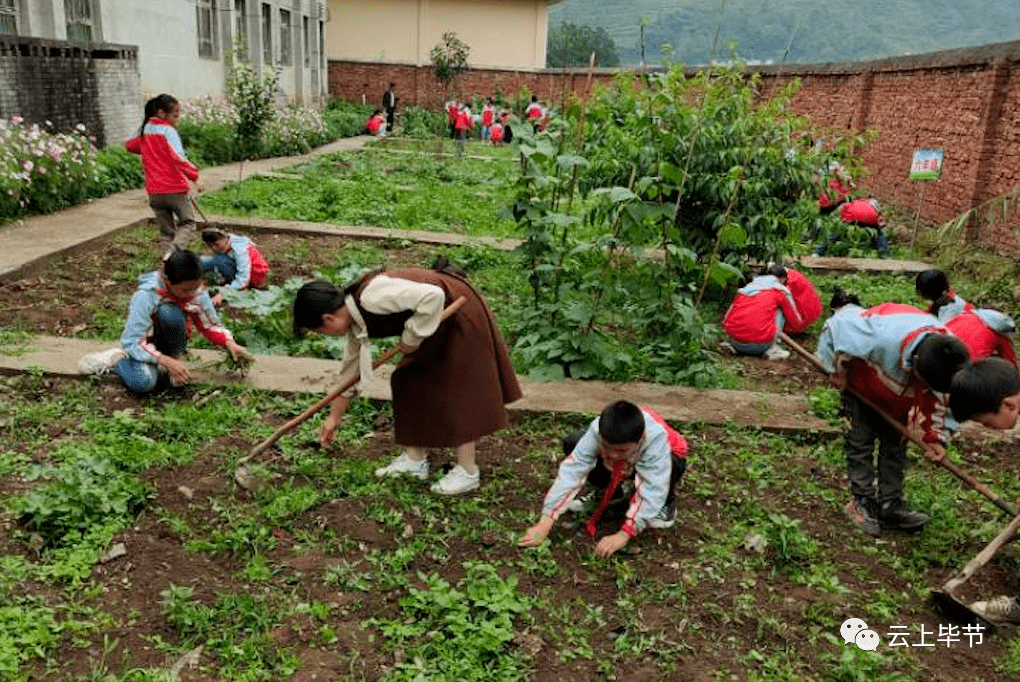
38 237
770 411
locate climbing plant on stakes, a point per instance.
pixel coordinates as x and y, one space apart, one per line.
635 203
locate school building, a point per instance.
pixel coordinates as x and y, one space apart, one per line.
181 46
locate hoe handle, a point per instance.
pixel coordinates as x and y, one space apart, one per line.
925 449
330 397
964 574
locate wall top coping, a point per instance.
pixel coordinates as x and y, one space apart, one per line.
27 45
944 59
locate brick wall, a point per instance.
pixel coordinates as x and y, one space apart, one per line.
67 84
966 102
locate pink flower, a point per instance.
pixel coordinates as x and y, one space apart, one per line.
28 166
16 119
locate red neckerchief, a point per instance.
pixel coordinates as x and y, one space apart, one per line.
619 471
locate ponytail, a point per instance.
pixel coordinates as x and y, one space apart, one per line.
163 102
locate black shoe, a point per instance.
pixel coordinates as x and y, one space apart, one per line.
862 512
898 516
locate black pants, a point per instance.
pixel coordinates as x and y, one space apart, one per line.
600 476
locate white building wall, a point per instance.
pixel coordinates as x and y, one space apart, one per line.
166 33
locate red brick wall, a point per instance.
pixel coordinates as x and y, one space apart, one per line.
966 102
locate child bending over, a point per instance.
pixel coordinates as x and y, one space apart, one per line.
624 443
156 333
238 264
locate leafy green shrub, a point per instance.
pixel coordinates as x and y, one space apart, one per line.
79 494
209 143
346 119
42 171
117 170
25 632
421 123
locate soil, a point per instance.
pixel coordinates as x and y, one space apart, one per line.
707 635
46 296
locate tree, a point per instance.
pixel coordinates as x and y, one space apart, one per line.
570 45
449 59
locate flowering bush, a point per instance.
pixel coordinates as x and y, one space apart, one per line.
43 171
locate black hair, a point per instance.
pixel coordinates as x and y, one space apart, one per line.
937 358
163 102
393 85
534 98
313 300
182 266
776 270
213 236
841 298
981 387
621 422
931 284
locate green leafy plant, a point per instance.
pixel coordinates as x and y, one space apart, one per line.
458 634
252 95
88 490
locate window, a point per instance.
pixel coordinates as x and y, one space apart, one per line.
267 33
306 39
286 38
8 17
322 44
78 14
240 29
206 13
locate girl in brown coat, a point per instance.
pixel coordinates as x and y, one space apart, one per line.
455 378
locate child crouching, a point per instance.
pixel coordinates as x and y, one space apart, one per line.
624 442
238 264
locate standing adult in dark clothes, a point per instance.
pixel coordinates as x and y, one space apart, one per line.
389 103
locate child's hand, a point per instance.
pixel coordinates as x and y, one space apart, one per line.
237 351
608 545
199 185
179 372
838 380
915 424
537 534
217 300
327 432
935 452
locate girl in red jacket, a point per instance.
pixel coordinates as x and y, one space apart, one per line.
167 169
757 315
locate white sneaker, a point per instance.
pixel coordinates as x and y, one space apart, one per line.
457 481
100 363
998 610
728 347
582 501
405 465
776 352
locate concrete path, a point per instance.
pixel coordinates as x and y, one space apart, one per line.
36 237
770 411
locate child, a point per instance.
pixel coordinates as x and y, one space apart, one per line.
463 126
984 331
624 442
167 304
452 108
488 118
167 169
496 133
455 377
899 358
806 299
508 132
758 313
376 124
534 113
987 392
867 213
933 285
237 263
839 188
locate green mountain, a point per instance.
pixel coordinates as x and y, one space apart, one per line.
764 30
